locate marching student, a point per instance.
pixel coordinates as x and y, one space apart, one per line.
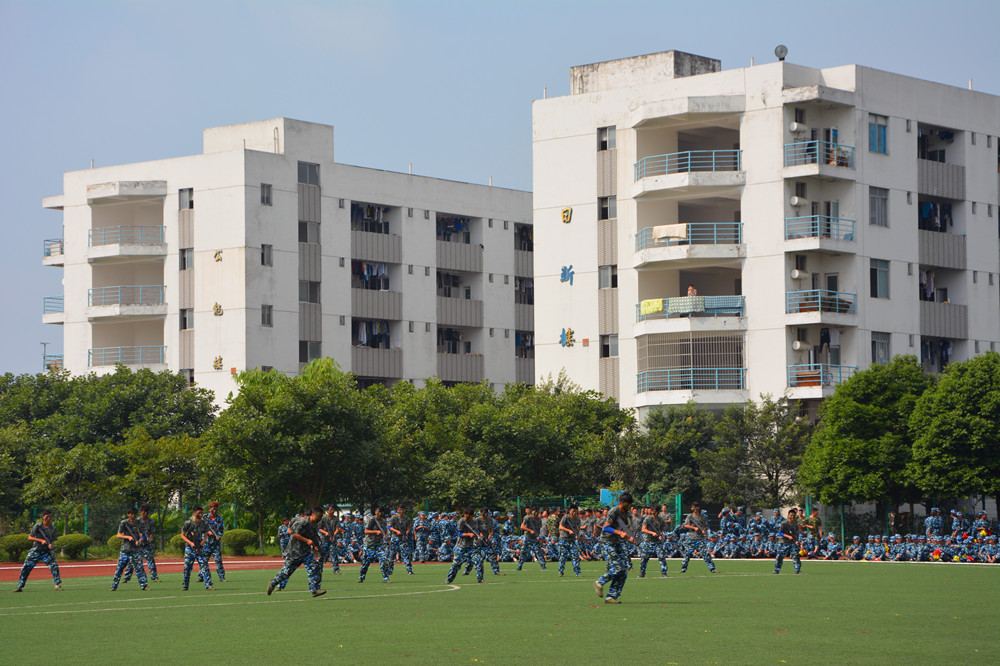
615 537
193 533
465 547
789 535
147 547
131 551
374 536
43 535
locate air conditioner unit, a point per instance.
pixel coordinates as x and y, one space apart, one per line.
798 274
798 201
797 128
800 345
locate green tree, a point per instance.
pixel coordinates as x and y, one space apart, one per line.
757 453
956 448
675 435
862 446
70 478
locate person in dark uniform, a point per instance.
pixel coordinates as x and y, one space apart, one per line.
789 542
615 538
43 535
696 525
304 542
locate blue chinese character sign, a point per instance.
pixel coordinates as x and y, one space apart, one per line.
566 337
567 274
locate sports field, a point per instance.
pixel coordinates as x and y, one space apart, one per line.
833 613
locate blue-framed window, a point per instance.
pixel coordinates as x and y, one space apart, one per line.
878 128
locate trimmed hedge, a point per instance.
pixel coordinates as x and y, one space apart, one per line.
239 540
177 543
114 545
16 546
73 545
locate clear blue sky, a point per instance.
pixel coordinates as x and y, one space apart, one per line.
444 85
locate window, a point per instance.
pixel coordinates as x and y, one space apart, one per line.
977 346
308 291
912 339
490 223
878 206
266 252
187 319
607 208
308 232
343 320
427 327
800 115
800 262
266 368
506 225
506 279
800 189
909 198
606 138
973 207
492 332
409 269
506 332
188 374
607 277
975 277
609 346
340 203
880 347
185 199
909 268
309 350
973 136
878 127
427 271
186 258
409 212
267 315
991 279
265 194
491 278
308 173
411 327
879 278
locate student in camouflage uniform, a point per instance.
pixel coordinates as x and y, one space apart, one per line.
373 546
43 535
789 535
696 525
465 547
933 525
774 522
569 532
652 546
193 534
615 536
147 526
757 526
959 525
214 529
284 534
530 527
422 533
131 551
833 549
329 528
400 528
488 527
304 542
876 549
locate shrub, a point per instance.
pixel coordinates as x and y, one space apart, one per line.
239 540
73 545
16 546
114 545
177 543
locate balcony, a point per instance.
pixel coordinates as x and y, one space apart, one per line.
371 304
134 356
371 246
690 306
115 242
52 310
819 158
819 226
120 191
466 312
524 370
941 250
461 367
52 252
940 179
126 301
464 257
693 243
818 375
691 379
814 306
52 362
944 320
370 362
685 173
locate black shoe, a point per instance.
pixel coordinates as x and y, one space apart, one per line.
270 587
19 588
319 593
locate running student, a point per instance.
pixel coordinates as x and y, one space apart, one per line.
615 538
789 535
304 541
697 526
374 537
131 551
43 535
465 547
193 533
569 532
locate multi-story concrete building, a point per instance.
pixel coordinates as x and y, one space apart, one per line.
264 252
712 235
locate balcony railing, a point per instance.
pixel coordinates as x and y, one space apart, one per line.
686 379
52 247
690 306
125 356
129 295
820 300
819 374
52 304
126 236
819 226
52 362
693 233
819 152
688 161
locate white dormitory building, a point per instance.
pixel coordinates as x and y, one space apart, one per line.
264 252
713 235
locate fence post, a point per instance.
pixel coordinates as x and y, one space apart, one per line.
678 507
86 511
235 523
842 537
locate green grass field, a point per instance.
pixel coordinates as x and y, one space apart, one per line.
833 613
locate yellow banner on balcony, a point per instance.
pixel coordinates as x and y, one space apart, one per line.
651 306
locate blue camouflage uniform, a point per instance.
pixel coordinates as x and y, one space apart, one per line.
652 545
422 534
569 548
466 550
284 534
130 554
933 524
374 550
194 530
41 552
695 541
299 554
615 553
789 535
147 548
214 529
399 544
529 543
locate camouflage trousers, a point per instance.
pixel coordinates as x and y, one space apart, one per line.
529 546
34 557
146 552
786 551
213 549
569 550
401 547
702 547
617 573
329 552
192 555
374 554
132 559
314 570
649 549
472 555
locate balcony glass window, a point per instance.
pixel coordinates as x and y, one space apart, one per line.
308 232
607 277
186 258
607 208
878 127
308 173
879 277
186 319
880 347
605 138
609 346
308 291
309 350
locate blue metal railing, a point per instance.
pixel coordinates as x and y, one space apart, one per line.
819 152
692 233
690 306
126 236
819 374
128 295
52 247
820 300
681 379
52 304
125 356
691 160
819 226
52 362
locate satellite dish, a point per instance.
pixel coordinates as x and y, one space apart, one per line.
781 51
